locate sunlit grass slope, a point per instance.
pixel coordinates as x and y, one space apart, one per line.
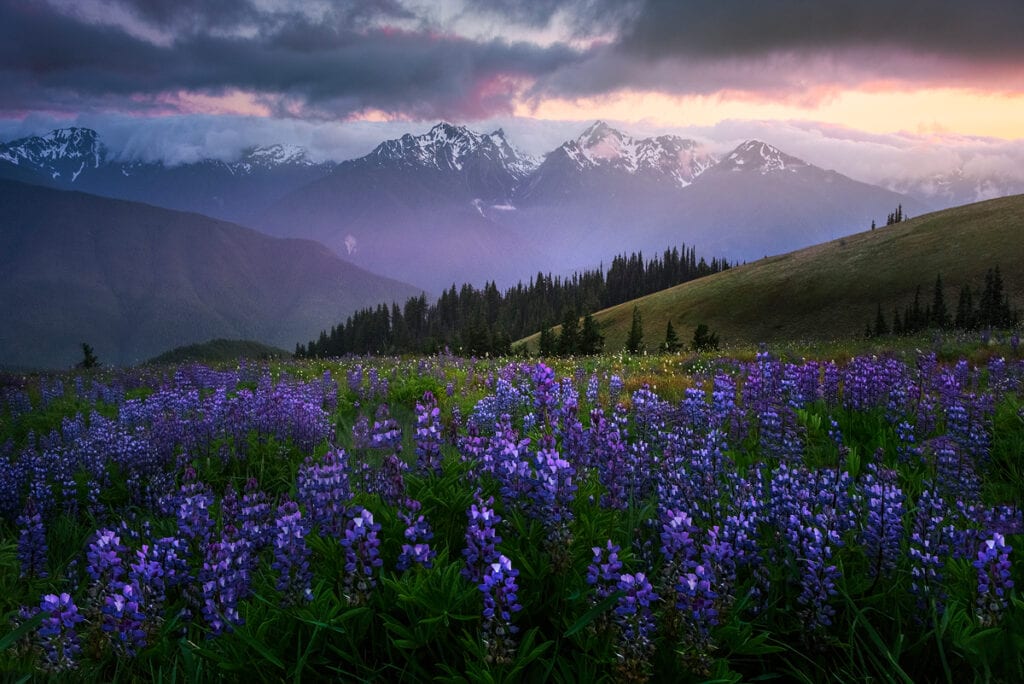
833 289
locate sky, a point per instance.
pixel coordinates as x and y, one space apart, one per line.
870 87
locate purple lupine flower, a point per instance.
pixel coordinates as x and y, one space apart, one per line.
993 569
354 377
362 555
615 386
882 535
610 454
636 627
386 434
593 386
323 491
499 590
473 448
428 435
255 518
928 550
697 600
123 619
31 542
156 567
224 581
481 539
291 555
106 558
678 545
58 634
573 436
649 412
551 489
955 476
361 433
812 539
172 553
719 560
508 461
545 393
195 520
416 548
388 480
604 571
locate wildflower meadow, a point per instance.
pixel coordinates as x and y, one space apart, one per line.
387 519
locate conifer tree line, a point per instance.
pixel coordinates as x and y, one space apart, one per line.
993 310
485 320
894 217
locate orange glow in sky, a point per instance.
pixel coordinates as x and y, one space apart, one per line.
938 110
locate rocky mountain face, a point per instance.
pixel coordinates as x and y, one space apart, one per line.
76 159
422 206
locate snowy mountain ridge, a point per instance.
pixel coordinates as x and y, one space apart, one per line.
601 146
447 147
61 153
760 157
65 153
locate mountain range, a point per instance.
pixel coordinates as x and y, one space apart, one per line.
76 159
452 205
134 280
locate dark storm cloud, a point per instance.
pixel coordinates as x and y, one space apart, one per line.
796 50
729 28
335 59
203 15
180 14
584 16
55 61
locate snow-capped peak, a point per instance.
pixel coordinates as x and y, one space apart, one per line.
601 146
270 157
754 155
449 148
63 152
277 155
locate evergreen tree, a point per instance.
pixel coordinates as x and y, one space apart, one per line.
994 308
547 342
591 339
635 339
89 359
704 339
569 340
881 328
939 314
897 325
671 343
501 343
965 309
917 318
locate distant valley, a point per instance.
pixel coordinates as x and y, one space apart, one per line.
134 280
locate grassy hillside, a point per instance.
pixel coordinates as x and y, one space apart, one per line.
219 351
832 290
